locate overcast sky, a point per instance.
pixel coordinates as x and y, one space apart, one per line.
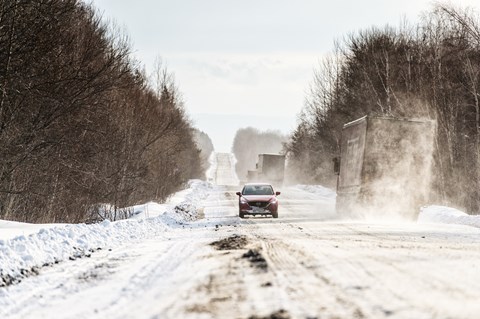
247 62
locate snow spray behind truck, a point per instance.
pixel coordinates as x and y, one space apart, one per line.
271 168
385 167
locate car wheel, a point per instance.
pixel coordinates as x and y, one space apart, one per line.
275 215
241 214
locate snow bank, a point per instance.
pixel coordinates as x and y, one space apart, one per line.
10 229
183 203
22 255
447 215
319 190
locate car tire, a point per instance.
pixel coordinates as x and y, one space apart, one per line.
241 215
275 215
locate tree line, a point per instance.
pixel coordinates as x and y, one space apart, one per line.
427 70
81 124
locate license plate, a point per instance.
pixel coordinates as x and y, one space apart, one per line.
258 210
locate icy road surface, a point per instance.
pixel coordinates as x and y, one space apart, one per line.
306 264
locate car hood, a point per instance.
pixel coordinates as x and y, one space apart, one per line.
258 198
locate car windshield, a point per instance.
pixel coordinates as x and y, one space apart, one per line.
257 190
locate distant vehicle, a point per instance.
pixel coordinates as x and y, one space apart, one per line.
258 199
385 166
271 168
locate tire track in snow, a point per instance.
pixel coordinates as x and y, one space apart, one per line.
308 293
162 276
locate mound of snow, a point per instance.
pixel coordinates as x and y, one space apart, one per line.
447 215
183 203
10 229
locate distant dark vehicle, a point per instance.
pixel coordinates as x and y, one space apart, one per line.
258 199
385 167
270 167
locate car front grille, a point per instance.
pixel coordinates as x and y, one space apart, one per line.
258 204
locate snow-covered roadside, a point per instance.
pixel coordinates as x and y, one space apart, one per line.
25 254
447 215
196 191
10 229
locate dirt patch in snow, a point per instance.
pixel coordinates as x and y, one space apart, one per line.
231 243
7 279
280 314
98 272
229 195
256 259
199 309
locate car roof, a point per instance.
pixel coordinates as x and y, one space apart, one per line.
258 184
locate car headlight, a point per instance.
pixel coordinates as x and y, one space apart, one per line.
243 200
273 200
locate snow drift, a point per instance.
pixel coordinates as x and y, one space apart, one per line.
447 215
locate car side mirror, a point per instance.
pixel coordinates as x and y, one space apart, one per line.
277 193
238 194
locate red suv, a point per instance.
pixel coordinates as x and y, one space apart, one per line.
257 199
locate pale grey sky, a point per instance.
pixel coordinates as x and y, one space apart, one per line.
249 57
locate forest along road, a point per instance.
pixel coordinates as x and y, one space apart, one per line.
305 264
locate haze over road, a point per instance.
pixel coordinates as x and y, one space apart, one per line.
306 264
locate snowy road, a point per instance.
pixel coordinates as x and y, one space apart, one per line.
306 264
